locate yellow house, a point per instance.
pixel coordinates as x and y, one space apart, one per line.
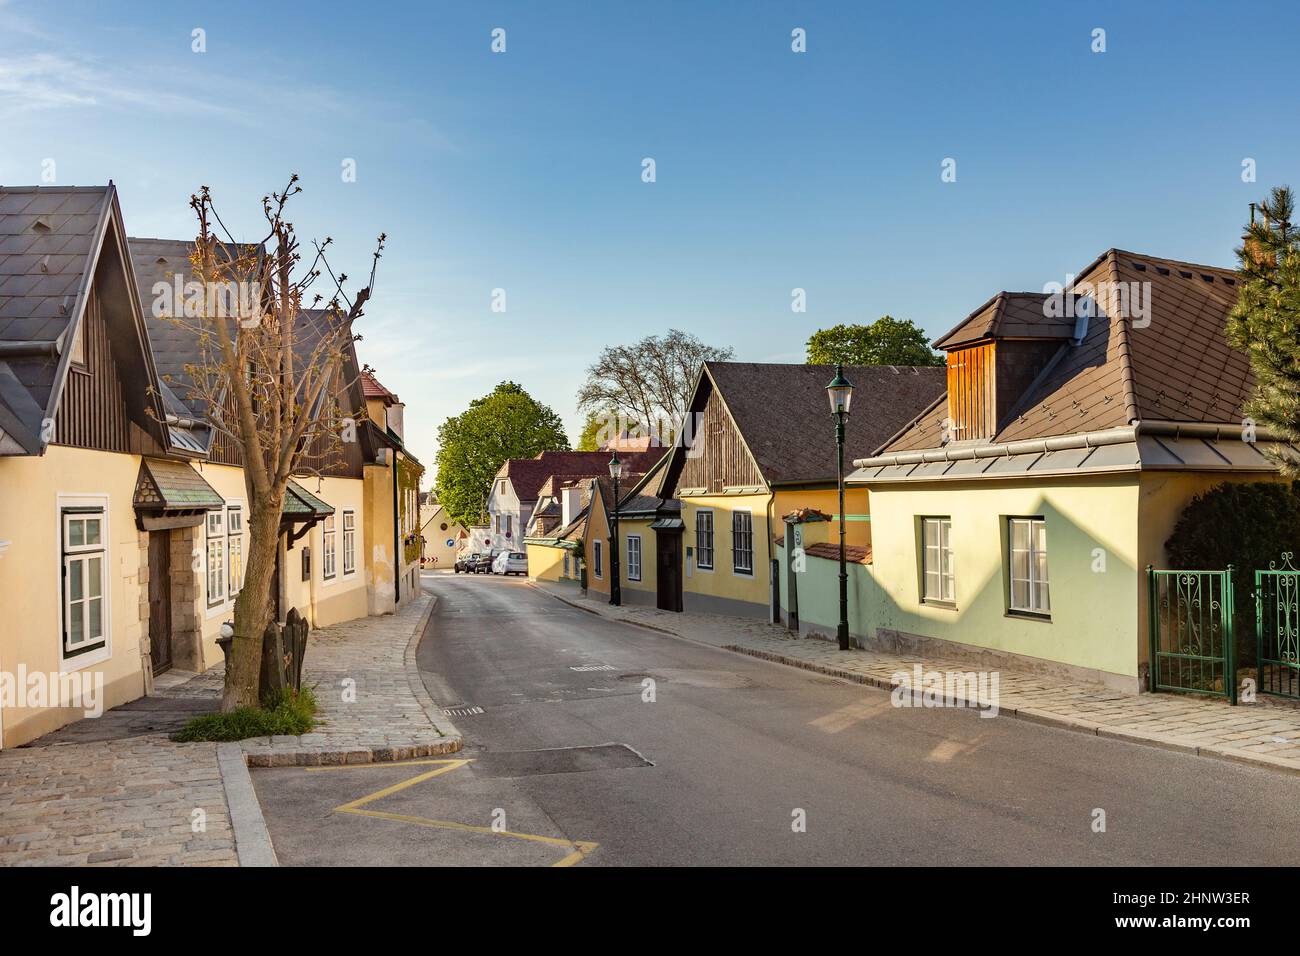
441 536
1013 520
122 531
759 444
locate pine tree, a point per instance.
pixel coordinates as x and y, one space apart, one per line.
1265 323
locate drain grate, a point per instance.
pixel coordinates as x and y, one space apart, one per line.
462 711
584 668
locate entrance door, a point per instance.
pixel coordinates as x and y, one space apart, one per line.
668 545
160 600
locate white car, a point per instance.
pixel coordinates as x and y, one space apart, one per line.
510 562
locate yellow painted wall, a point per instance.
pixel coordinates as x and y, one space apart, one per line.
825 500
722 582
546 562
380 560
597 530
649 581
1093 622
31 577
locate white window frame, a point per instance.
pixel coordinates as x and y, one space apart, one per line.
634 567
699 550
1037 579
217 570
235 546
597 559
349 543
100 648
329 549
736 552
937 562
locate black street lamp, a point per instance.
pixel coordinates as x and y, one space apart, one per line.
840 392
615 588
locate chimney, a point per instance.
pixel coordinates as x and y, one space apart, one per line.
396 419
570 504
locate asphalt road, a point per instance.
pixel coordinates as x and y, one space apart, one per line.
568 752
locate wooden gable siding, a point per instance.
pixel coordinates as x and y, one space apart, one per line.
972 402
722 460
344 461
92 411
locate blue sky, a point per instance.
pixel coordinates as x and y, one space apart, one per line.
775 170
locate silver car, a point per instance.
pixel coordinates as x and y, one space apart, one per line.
510 562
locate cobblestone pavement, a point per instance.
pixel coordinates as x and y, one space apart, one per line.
116 791
1266 733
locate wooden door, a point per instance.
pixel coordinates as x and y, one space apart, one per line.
160 600
668 547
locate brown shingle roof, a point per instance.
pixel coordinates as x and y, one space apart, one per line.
784 417
1009 315
1176 367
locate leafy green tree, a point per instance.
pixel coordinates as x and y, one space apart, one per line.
886 341
1265 323
591 428
506 423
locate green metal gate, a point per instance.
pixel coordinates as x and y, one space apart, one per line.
1277 628
1191 632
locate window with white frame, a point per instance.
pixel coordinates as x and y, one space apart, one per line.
704 540
235 548
349 542
1029 590
595 557
634 557
938 583
85 580
217 572
742 542
329 554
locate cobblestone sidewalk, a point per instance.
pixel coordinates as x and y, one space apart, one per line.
116 791
1265 733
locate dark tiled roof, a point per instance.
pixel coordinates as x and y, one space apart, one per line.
1176 367
48 235
1009 315
298 501
784 417
173 485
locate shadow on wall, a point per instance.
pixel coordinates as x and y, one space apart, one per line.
1096 592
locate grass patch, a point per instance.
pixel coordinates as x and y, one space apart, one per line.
286 713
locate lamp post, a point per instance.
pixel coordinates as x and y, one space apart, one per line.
615 589
840 392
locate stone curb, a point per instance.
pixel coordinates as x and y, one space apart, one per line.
253 844
1028 714
448 739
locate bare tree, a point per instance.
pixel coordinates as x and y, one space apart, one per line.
272 359
649 382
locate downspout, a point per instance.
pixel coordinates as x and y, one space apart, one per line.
397 555
773 568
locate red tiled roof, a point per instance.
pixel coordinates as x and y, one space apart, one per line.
371 388
527 475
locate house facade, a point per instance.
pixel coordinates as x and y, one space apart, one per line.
1013 520
441 536
123 511
764 446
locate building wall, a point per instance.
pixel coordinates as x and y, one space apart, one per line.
857 525
818 588
381 563
503 502
723 590
437 552
546 563
32 491
644 591
1094 621
597 529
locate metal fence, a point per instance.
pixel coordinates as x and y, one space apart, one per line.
1191 632
1277 628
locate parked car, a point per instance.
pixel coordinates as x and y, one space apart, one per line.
481 563
463 561
510 562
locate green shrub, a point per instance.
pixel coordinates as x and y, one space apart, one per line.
1245 525
287 713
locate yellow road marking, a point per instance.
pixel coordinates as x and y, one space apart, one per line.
580 848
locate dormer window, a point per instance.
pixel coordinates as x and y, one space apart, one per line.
972 408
